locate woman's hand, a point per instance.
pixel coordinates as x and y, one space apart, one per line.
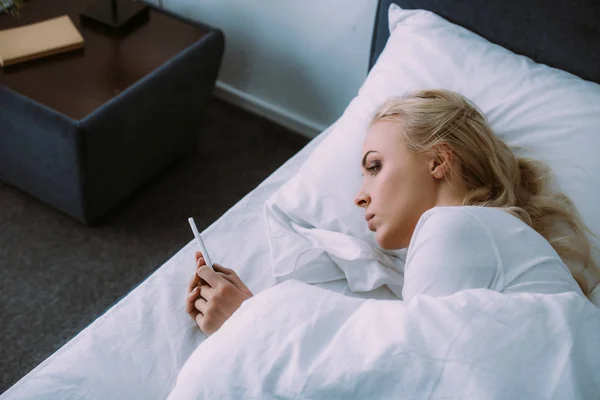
213 296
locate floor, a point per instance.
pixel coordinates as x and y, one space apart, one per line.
58 275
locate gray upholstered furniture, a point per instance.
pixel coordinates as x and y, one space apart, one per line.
82 130
563 34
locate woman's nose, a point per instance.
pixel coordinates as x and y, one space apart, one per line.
362 200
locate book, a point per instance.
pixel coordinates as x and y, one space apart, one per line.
53 36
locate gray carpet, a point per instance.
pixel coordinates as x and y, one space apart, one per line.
57 275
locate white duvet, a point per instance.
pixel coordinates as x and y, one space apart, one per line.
296 340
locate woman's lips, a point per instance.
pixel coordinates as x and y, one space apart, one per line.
370 223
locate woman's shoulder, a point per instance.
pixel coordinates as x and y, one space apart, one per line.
452 215
454 223
468 215
455 237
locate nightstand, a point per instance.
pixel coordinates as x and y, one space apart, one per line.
82 130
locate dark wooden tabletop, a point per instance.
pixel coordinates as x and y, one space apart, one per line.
78 82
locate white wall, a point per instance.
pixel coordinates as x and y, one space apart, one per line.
298 62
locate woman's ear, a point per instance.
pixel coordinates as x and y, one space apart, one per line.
441 161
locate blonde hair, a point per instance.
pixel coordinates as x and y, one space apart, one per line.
492 174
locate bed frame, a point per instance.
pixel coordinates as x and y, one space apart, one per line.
564 34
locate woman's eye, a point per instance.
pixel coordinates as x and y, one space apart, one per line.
373 169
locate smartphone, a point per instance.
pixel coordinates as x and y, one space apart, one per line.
200 242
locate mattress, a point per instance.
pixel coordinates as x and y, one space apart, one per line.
136 349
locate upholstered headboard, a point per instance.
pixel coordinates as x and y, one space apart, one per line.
564 34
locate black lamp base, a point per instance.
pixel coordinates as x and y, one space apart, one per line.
116 15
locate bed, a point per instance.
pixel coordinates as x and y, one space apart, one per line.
137 348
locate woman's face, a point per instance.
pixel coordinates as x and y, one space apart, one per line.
398 186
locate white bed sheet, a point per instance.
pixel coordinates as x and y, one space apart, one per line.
136 349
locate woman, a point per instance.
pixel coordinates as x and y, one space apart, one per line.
472 214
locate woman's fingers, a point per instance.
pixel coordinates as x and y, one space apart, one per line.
191 298
194 288
211 277
200 321
194 313
220 268
196 279
193 283
194 294
200 305
214 302
207 292
233 277
229 278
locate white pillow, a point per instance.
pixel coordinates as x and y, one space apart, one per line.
551 113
